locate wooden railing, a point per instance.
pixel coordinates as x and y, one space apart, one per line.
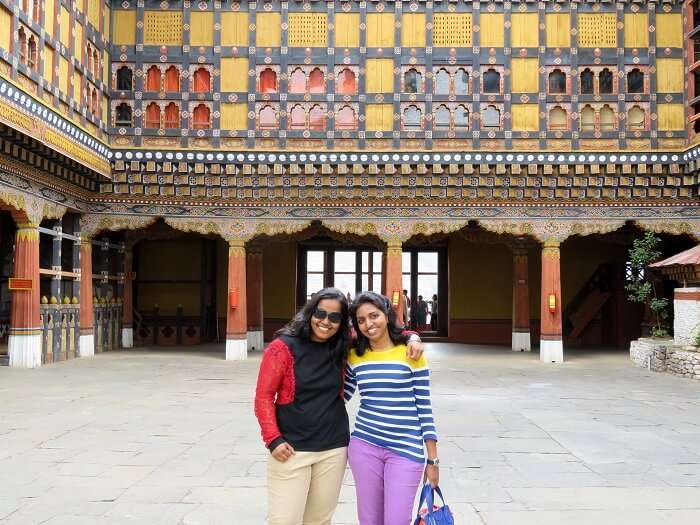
108 325
60 331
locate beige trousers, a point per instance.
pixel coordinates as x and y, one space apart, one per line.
304 489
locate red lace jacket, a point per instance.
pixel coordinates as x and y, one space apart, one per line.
277 386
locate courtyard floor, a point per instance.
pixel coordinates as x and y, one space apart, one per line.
169 437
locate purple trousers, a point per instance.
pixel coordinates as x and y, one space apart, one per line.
386 484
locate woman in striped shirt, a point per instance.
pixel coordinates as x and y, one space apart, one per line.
395 420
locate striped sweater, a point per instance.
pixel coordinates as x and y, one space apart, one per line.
395 410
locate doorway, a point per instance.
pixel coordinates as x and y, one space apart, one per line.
424 278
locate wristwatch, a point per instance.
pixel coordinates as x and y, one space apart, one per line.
435 462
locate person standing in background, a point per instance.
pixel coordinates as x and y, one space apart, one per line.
406 312
434 313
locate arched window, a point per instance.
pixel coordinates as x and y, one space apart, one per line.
95 103
96 63
347 82
587 118
317 118
201 117
442 117
89 58
636 118
557 119
267 118
492 81
413 82
587 82
490 117
123 115
22 42
297 81
152 116
268 81
412 118
202 81
605 82
172 79
607 118
461 117
317 82
32 58
635 81
461 82
557 82
125 79
297 117
172 116
345 118
153 78
442 82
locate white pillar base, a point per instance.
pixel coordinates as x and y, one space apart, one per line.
521 342
24 351
236 349
87 345
256 340
127 337
551 351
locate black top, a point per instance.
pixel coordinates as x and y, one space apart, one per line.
316 420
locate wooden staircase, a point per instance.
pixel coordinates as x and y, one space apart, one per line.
589 302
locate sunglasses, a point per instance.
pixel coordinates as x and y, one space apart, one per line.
333 317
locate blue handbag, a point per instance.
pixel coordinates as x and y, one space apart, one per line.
433 516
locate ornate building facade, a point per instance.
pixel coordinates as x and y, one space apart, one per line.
211 164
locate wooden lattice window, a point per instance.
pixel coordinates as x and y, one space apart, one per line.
201 117
636 118
597 30
297 117
635 81
152 120
317 118
172 116
307 30
172 79
452 30
443 117
412 118
162 28
297 81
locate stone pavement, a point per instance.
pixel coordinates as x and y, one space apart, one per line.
169 437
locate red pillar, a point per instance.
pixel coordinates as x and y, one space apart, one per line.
551 343
24 345
236 314
254 288
87 315
394 277
128 302
521 302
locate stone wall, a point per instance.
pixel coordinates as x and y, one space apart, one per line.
644 348
686 315
683 362
660 355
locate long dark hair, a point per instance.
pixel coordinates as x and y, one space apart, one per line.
300 325
396 333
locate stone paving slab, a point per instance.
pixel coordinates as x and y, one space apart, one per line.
169 437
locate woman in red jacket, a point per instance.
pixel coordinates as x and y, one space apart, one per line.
299 405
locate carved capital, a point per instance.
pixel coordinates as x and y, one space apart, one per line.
32 209
91 224
688 226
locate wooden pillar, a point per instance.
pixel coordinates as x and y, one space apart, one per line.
236 313
254 299
128 301
87 314
521 302
551 343
394 277
56 243
24 345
